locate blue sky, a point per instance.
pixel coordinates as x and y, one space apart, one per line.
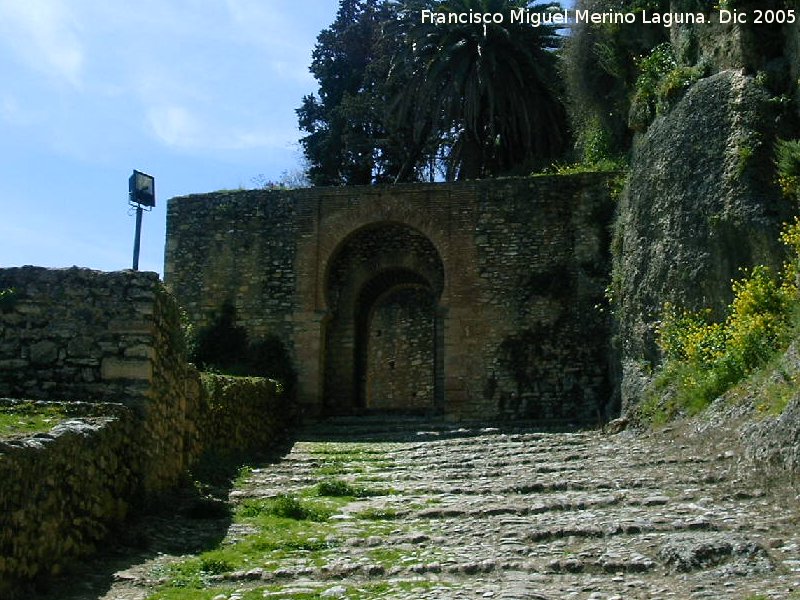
199 94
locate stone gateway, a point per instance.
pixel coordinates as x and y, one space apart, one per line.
472 300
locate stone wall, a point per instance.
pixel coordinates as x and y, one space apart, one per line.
400 352
63 492
77 334
114 340
514 265
369 265
242 414
235 259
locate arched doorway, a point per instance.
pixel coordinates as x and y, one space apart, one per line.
383 337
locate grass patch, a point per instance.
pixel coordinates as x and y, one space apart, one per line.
339 488
285 507
335 468
184 594
387 557
776 395
341 459
377 514
276 540
290 529
29 418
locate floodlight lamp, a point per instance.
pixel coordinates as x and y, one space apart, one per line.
142 189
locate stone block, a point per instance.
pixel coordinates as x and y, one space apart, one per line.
140 351
13 363
130 326
44 353
116 368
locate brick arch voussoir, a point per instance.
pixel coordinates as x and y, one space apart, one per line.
336 234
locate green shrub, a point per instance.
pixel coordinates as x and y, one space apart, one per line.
704 358
787 161
760 316
652 69
595 142
224 347
661 82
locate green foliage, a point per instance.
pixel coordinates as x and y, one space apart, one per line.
607 165
189 341
759 317
776 395
338 488
690 336
743 156
285 507
347 141
595 143
8 299
600 68
790 236
704 358
273 539
675 83
378 514
486 96
787 162
225 347
297 529
652 69
661 82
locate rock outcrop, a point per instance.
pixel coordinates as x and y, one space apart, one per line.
700 204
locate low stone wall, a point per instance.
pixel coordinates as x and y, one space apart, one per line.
242 414
78 334
115 341
63 492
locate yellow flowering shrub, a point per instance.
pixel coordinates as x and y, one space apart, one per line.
705 358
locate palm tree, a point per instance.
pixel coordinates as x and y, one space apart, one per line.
487 93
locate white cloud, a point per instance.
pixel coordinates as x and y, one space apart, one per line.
178 127
45 34
267 26
175 126
13 113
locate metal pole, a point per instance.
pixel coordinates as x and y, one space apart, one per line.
137 238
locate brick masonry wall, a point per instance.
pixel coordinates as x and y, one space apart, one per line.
369 265
523 264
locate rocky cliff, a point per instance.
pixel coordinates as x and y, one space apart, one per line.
701 202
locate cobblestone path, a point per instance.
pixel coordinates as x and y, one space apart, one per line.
450 512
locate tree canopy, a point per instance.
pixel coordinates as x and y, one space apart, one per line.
402 100
486 94
344 121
